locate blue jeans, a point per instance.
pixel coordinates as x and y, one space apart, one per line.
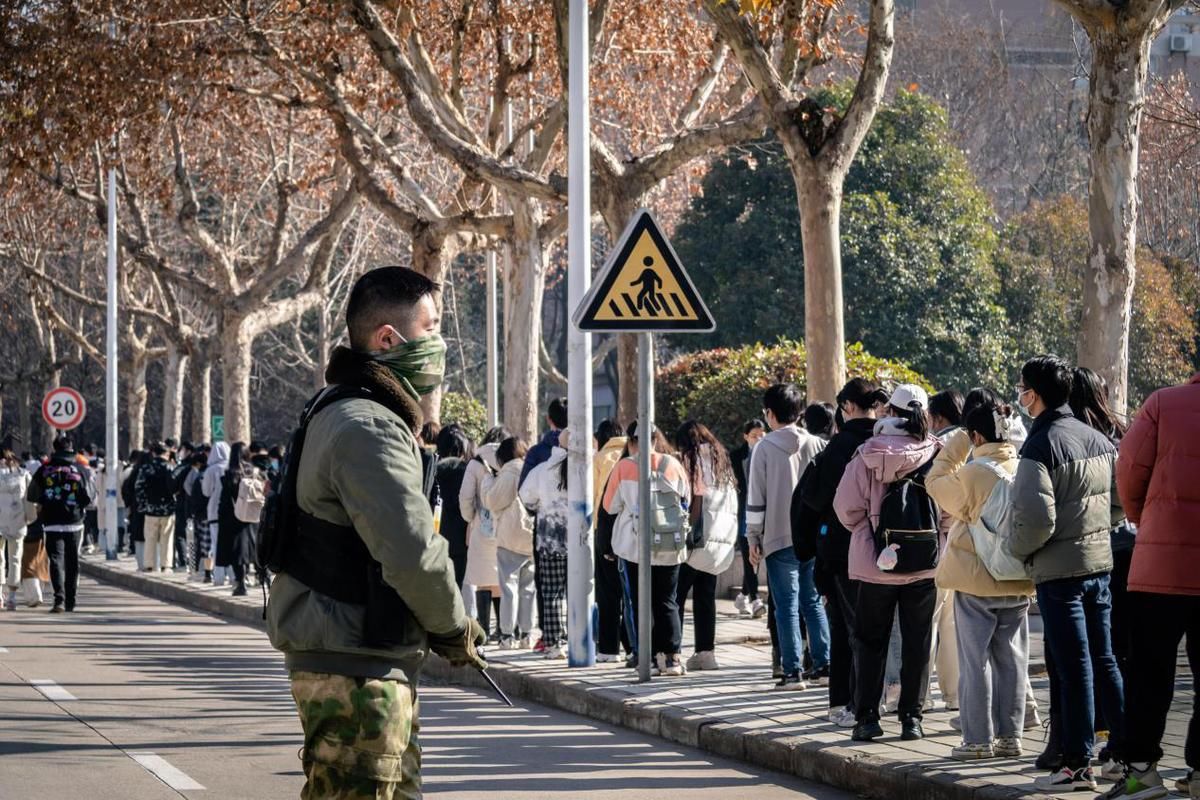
795 592
1076 616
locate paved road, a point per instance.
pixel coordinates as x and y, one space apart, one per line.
148 701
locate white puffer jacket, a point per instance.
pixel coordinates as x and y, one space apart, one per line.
14 482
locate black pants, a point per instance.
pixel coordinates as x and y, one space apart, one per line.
840 604
63 549
608 606
1122 614
877 605
460 568
1163 620
749 573
182 556
703 587
667 632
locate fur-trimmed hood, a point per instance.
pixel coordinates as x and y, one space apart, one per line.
350 367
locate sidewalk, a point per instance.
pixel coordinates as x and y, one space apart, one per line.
731 712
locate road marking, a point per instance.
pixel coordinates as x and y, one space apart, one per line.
52 690
3 649
159 767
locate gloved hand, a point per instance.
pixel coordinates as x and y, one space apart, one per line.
461 648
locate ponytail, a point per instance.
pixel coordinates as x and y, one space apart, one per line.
915 418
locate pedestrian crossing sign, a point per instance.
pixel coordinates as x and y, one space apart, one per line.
643 287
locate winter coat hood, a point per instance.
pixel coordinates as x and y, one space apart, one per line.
219 457
893 453
487 453
789 439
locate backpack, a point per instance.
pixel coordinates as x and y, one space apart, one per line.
719 522
251 494
908 524
990 532
64 492
806 520
669 523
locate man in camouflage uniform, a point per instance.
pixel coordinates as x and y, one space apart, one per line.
360 468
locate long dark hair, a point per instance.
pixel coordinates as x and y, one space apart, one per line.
693 441
1089 403
453 442
981 419
916 419
235 459
496 435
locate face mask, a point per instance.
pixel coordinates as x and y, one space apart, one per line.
418 364
1021 405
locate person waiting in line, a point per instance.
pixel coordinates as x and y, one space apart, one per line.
454 450
945 418
775 470
556 418
211 486
514 547
481 529
544 493
235 537
154 490
946 413
1063 507
747 602
856 404
135 520
992 617
709 474
1156 478
819 420
671 494
609 441
902 445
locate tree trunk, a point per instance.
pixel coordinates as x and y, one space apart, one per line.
200 372
24 418
236 344
627 380
136 398
1120 63
432 256
524 287
820 198
174 369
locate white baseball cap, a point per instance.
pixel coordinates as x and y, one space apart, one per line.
904 395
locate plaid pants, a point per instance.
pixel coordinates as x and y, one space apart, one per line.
552 578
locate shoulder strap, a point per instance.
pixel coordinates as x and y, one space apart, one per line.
330 395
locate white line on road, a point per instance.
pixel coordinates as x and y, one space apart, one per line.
3 649
52 690
158 766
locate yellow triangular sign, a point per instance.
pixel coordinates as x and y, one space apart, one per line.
643 287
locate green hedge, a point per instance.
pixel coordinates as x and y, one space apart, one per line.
723 388
468 413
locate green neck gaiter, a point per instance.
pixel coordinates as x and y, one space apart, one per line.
419 364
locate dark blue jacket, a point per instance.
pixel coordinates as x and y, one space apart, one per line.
538 454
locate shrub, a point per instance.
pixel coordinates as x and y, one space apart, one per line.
467 412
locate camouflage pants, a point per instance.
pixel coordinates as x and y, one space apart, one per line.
360 737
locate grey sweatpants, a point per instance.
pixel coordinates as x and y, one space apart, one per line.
993 660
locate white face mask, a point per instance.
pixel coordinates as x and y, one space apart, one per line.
1021 405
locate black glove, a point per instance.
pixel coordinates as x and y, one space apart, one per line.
461 648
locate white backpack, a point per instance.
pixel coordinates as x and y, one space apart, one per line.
720 530
250 499
991 532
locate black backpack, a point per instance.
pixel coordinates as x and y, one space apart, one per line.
806 520
908 519
281 510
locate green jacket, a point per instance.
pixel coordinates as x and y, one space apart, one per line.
361 467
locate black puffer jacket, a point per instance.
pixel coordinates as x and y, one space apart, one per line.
833 540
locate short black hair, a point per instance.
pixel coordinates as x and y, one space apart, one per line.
453 442
557 412
948 405
607 429
862 393
63 444
171 444
755 424
275 452
384 295
785 401
818 419
1049 376
979 396
158 449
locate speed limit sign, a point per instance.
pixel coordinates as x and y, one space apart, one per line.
63 408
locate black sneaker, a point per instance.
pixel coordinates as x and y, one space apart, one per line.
910 730
817 677
58 609
791 683
866 731
239 590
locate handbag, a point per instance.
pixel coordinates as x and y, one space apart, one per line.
718 521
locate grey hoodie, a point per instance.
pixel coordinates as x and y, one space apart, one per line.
776 464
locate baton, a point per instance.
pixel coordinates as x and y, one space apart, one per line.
496 687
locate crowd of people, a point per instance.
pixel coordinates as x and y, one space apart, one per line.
901 533
180 506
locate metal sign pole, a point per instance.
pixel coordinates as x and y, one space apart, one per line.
645 447
112 461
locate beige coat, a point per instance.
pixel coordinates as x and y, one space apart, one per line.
514 525
960 489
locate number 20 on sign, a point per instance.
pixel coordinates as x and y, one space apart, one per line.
63 408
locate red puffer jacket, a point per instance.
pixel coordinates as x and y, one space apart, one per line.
1157 478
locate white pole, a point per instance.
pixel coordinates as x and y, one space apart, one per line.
493 367
645 428
580 568
112 461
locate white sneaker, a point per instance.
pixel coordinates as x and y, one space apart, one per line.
956 723
508 643
703 660
607 658
741 604
971 752
670 666
1113 770
525 643
1032 720
842 717
555 653
758 609
1067 780
891 698
1009 747
1138 785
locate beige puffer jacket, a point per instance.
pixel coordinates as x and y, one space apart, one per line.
514 525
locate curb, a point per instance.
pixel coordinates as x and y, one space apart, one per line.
835 765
